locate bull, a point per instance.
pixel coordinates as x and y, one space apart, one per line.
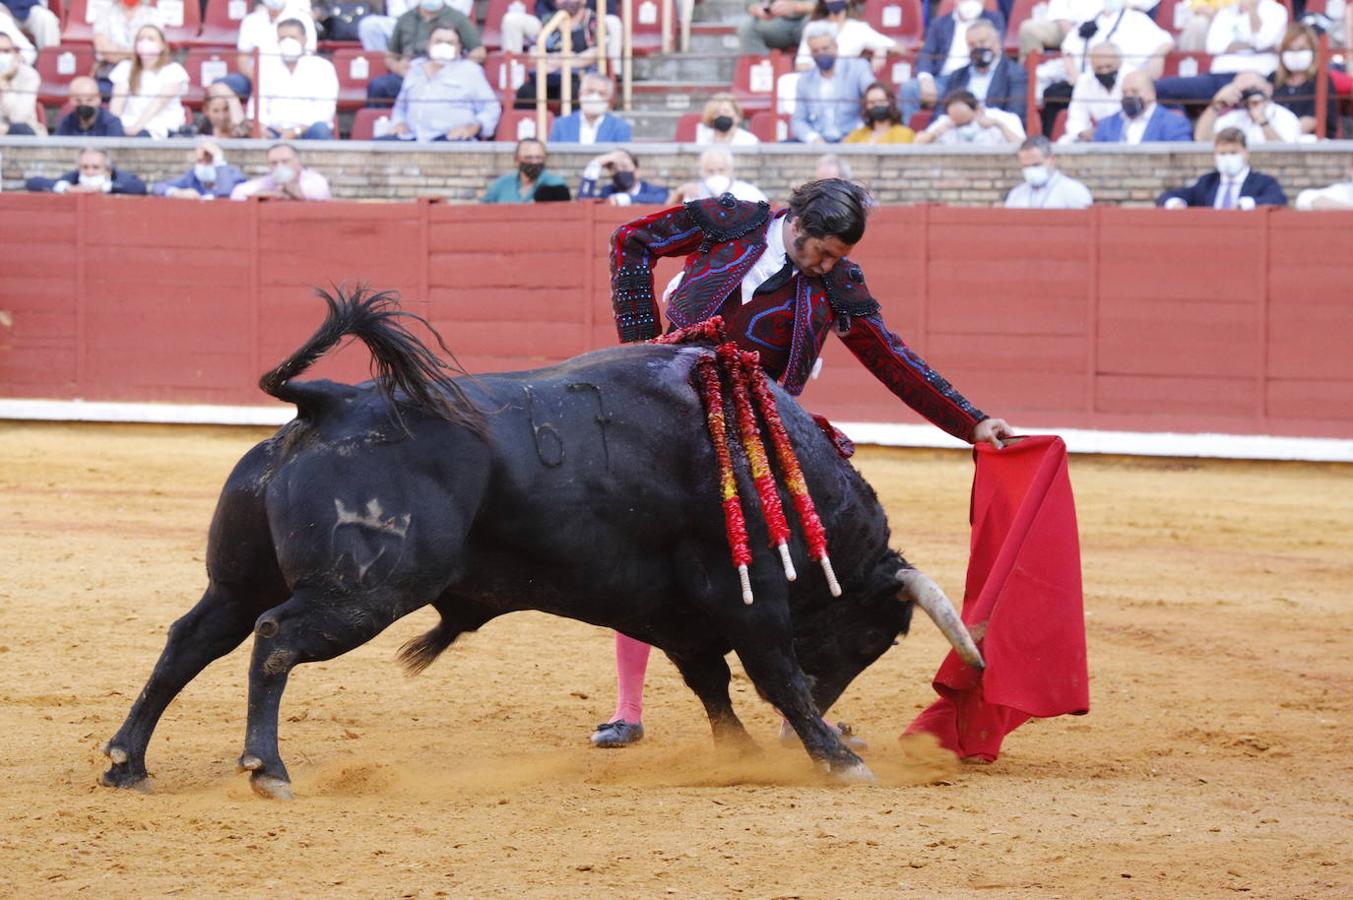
586 490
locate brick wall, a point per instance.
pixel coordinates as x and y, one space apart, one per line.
1130 176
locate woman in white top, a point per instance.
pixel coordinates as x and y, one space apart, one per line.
147 88
721 123
853 37
115 31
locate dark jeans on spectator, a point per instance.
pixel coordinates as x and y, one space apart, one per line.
18 129
320 131
384 90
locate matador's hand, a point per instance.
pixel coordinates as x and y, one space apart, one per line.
996 432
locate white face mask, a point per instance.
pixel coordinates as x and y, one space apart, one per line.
593 105
290 48
1298 60
442 52
1037 176
718 185
1114 6
205 172
147 50
968 10
284 174
8 62
96 181
275 5
1230 164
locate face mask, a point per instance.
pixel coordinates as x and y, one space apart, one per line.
723 124
290 48
835 6
86 114
93 181
824 61
284 174
8 62
593 106
623 181
1114 6
982 57
531 170
275 5
1297 60
442 52
718 185
880 113
147 50
1132 107
431 6
1107 79
968 9
1037 176
205 173
1230 164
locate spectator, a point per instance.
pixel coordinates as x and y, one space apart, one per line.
1048 32
715 180
445 97
829 165
33 16
773 25
209 178
883 121
582 25
520 28
992 78
1044 187
115 31
88 118
223 114
592 122
853 37
94 174
614 177
968 122
1141 120
409 40
1245 104
147 89
827 99
1232 185
287 179
1336 196
1097 95
375 28
298 91
1242 37
27 52
19 85
946 50
531 175
258 31
1294 81
722 121
1193 36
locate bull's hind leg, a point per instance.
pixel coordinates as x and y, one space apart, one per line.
210 630
707 675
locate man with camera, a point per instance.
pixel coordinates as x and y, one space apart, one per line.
1246 104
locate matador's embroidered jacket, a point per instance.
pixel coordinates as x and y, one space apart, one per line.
723 238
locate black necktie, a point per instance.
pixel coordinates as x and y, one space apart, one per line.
776 281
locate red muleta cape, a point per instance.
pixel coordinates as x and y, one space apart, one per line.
1022 602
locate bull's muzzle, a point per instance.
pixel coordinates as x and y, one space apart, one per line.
922 589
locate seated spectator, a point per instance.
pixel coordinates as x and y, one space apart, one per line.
36 20
115 31
883 121
1097 94
1193 36
721 123
1242 37
409 41
946 50
10 28
853 36
209 178
258 31
148 88
992 78
715 180
88 117
827 99
531 175
582 25
223 114
19 85
1232 185
1141 43
298 93
1294 81
1245 104
445 97
287 179
592 122
967 122
829 165
1048 32
1141 120
520 28
94 174
1044 187
614 177
1336 196
773 25
375 28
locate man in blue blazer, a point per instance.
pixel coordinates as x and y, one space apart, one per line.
1142 121
1232 185
996 80
931 82
592 123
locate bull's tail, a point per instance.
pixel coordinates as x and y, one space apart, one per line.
400 361
419 652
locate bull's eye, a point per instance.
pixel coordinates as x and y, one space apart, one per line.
873 642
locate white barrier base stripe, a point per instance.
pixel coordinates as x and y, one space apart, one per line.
1078 440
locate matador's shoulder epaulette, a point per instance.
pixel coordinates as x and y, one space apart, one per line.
726 218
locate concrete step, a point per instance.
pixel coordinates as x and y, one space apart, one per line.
675 67
654 124
731 11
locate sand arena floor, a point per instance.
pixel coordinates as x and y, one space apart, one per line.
1215 760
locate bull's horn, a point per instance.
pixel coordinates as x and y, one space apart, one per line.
928 595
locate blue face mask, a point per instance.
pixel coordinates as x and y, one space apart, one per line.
836 6
431 6
824 61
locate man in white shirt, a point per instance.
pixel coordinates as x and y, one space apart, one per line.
1246 104
1244 37
297 91
1048 32
287 179
1098 94
258 30
1336 196
967 122
1044 186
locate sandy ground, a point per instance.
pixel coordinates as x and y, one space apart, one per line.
1215 759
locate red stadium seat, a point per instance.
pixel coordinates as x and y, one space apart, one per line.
920 120
205 65
648 26
221 24
78 28
754 79
1022 11
898 19
355 70
505 72
1187 64
57 66
685 127
519 124
767 127
364 123
492 32
1058 125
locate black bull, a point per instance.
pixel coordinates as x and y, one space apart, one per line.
588 490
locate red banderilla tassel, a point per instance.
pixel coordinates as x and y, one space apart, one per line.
707 369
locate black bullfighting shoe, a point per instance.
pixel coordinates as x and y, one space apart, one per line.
844 731
619 733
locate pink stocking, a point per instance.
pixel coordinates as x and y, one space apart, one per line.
631 661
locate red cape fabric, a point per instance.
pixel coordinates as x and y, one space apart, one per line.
1022 602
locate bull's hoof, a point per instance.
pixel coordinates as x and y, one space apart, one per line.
122 774
854 773
270 787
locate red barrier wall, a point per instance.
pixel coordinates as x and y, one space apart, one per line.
1109 318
